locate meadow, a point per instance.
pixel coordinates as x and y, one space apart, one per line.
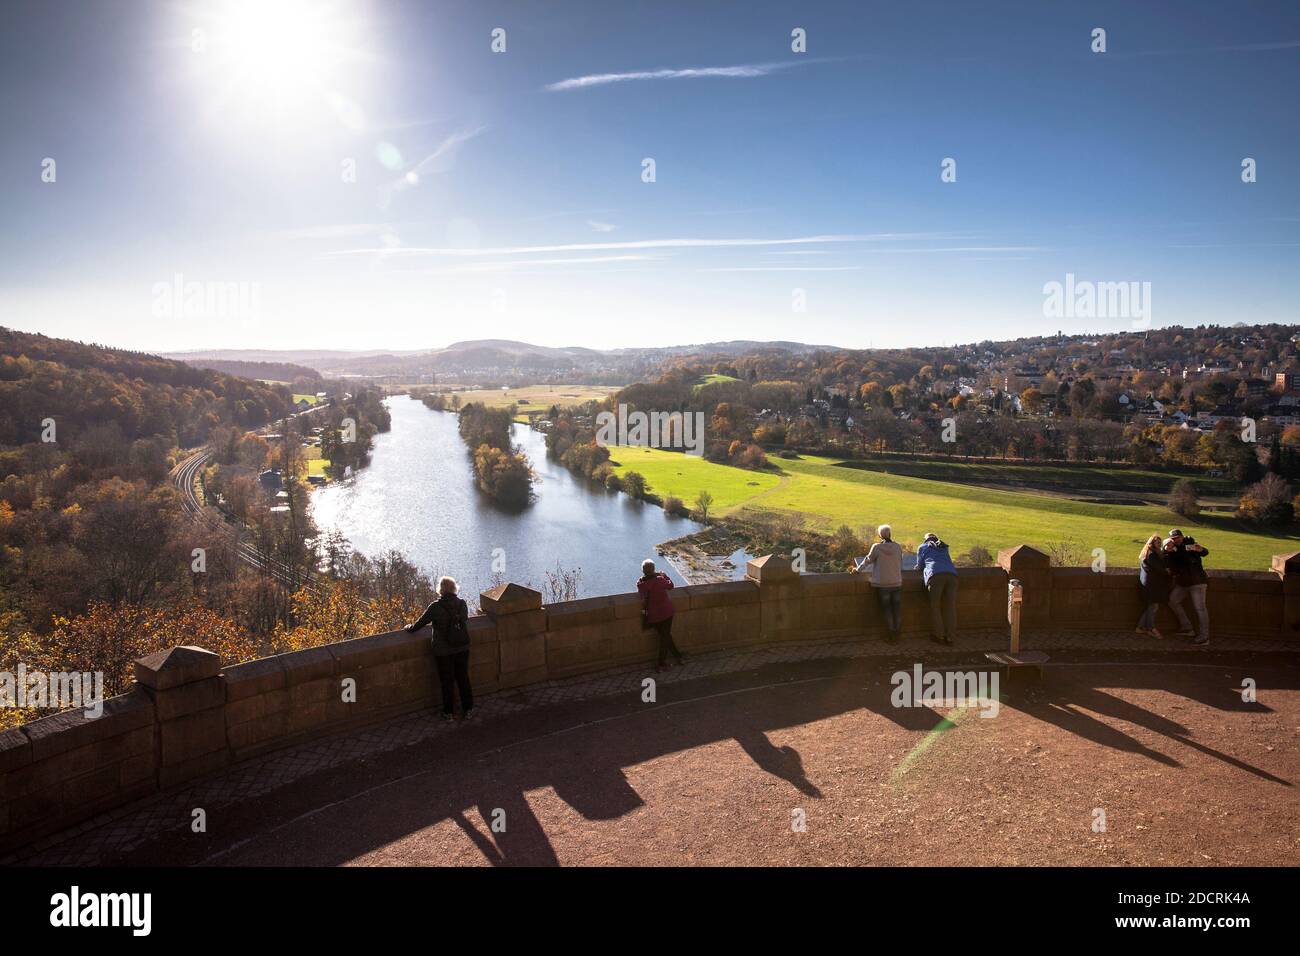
533 401
316 464
828 494
1063 478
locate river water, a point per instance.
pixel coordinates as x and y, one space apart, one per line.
418 496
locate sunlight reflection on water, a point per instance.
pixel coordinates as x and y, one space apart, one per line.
418 496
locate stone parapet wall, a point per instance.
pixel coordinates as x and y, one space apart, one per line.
187 716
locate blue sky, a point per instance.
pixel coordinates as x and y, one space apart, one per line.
494 199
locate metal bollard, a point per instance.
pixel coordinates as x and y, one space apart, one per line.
1015 600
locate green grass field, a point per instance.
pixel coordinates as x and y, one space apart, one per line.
535 400
827 495
316 465
1054 477
714 378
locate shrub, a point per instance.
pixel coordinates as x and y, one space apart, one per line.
675 506
1267 502
844 545
634 484
752 457
1182 499
1068 554
977 557
703 502
587 459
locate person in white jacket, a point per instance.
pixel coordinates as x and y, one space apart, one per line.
886 561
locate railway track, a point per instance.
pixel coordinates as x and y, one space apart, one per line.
213 521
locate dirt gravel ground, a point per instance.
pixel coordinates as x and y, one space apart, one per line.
722 770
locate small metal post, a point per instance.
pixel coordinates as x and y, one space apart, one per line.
1015 600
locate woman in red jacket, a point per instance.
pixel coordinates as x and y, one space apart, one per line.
657 610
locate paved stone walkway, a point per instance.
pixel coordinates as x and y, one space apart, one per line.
128 827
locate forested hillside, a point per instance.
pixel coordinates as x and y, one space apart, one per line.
132 394
98 559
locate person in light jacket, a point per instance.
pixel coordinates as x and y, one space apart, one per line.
886 562
657 610
449 616
940 576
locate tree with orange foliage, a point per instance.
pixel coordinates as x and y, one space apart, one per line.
110 639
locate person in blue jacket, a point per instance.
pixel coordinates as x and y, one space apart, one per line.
940 576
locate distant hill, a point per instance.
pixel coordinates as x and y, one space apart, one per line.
264 371
136 395
1252 349
309 357
502 361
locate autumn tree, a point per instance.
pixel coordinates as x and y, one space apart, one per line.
1267 502
1183 500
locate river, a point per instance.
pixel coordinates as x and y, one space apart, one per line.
418 496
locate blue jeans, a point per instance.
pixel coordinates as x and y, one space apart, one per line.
1148 619
891 606
1197 593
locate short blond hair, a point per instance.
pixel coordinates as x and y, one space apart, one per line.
647 566
447 585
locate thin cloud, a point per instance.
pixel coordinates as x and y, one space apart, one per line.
512 265
784 269
597 226
969 249
741 72
438 160
338 231
642 244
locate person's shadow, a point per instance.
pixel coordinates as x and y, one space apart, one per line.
517 834
783 762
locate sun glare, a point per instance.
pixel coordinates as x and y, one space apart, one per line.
279 53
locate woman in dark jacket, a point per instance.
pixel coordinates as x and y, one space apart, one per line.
1153 573
449 616
657 610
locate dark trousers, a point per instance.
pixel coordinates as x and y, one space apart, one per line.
454 669
891 606
666 645
943 605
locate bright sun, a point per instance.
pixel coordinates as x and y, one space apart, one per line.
277 53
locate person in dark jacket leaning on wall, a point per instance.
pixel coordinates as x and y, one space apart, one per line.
940 577
1183 556
657 610
449 616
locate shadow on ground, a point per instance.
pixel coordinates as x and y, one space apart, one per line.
481 773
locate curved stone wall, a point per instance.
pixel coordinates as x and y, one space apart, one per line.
187 716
